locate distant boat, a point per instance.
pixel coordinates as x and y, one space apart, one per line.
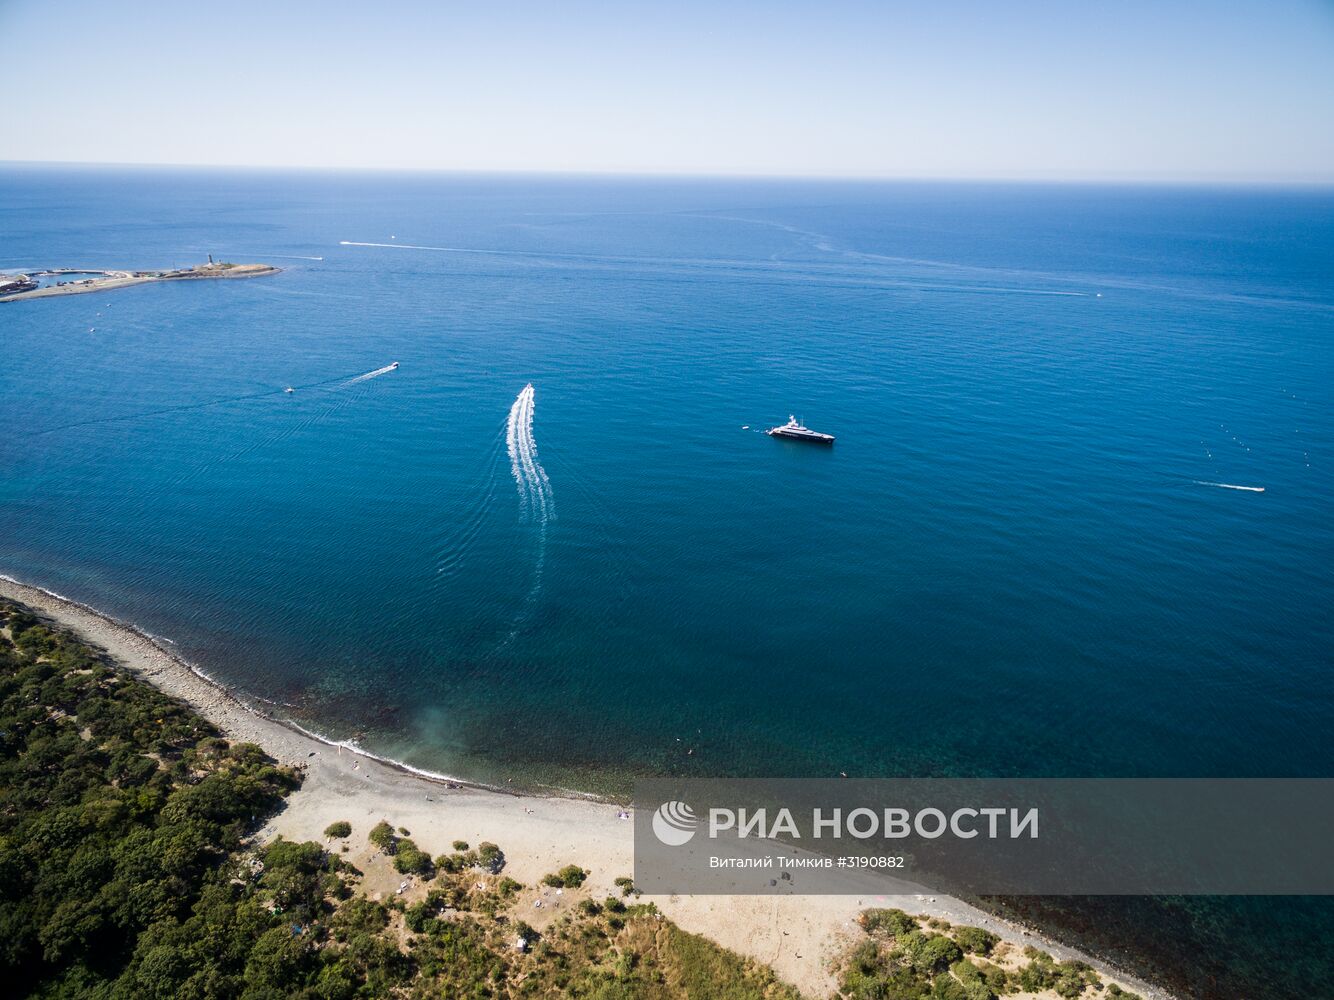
796 432
289 389
393 364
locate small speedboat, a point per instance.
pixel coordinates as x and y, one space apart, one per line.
289 389
794 431
393 364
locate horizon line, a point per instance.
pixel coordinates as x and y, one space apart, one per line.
1164 180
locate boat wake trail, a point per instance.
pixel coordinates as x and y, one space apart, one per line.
370 375
336 398
534 491
454 549
1230 486
204 405
413 246
529 476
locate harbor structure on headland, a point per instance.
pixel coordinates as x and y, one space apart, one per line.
16 283
72 281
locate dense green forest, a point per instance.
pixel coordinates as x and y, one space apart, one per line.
126 871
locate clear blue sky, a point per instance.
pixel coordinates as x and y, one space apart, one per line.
1123 90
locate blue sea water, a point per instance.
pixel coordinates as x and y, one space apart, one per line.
1011 561
1006 564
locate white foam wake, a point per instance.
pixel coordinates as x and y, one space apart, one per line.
1231 486
534 493
368 375
529 476
414 246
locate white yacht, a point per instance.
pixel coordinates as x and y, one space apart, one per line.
797 432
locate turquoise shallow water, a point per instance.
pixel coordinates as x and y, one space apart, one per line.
1008 564
1005 564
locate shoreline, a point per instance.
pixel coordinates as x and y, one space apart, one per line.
797 936
192 684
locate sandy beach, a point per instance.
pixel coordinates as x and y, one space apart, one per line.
798 936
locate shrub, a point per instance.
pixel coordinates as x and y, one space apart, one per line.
1072 977
998 981
569 877
975 940
871 975
893 922
931 953
340 829
971 979
420 918
358 916
945 988
382 836
451 864
489 856
411 860
460 845
1034 977
627 886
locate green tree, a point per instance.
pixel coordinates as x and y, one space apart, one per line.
975 940
382 836
409 859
